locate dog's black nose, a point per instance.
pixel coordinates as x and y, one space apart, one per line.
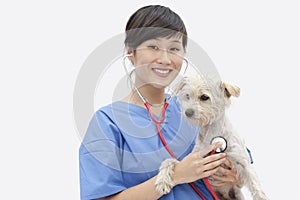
189 112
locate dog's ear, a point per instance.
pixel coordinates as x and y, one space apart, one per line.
180 85
230 90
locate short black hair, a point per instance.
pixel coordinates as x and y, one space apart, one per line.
151 22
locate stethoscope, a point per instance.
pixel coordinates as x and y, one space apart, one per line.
222 148
161 120
222 140
147 106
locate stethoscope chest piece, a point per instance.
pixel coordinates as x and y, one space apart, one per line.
222 140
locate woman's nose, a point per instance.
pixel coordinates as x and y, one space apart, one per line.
164 57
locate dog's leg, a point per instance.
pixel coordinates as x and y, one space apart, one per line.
236 193
248 176
164 181
229 193
254 185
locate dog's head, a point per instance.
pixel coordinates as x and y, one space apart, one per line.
203 99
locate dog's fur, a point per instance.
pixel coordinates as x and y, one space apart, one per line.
203 102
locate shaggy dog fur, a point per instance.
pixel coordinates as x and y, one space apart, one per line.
203 102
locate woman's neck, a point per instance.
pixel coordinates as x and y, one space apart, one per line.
154 96
151 94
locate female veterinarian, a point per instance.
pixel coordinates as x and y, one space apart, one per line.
127 140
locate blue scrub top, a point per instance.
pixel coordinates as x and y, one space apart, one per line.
121 149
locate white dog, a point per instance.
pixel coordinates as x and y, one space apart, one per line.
203 102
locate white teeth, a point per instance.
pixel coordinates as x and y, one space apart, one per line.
162 71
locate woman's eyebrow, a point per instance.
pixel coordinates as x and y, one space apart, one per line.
176 41
172 41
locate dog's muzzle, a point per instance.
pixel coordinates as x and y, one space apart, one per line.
189 112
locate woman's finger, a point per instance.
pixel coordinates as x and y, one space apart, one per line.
214 164
228 163
209 149
209 173
213 158
227 179
228 172
218 184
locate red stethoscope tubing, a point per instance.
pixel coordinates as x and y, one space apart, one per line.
158 123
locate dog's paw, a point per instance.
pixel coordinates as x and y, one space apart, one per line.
164 180
163 186
260 196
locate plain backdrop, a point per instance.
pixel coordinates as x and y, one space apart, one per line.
43 44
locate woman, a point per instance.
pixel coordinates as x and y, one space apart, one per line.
121 151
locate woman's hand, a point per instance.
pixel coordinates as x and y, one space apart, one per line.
226 175
198 165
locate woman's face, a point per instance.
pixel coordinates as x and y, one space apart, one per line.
158 61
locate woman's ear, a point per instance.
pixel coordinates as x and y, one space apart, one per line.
129 52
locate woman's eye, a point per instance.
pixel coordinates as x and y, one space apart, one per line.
153 47
204 97
174 49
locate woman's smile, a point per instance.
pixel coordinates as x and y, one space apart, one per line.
162 72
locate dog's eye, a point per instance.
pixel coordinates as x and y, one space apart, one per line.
187 96
204 97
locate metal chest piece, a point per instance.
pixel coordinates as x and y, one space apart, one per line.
222 140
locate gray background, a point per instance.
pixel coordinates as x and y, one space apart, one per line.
254 44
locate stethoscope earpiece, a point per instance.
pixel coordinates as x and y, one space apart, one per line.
222 140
